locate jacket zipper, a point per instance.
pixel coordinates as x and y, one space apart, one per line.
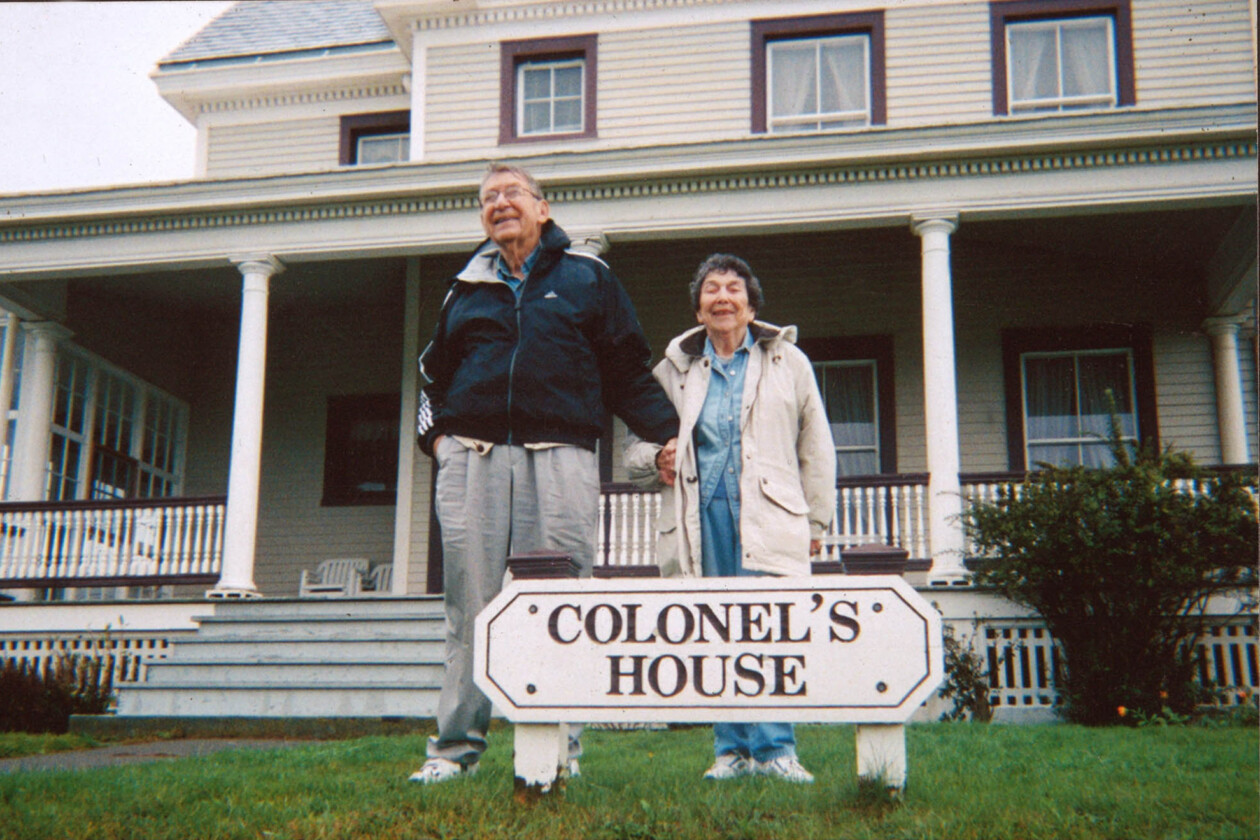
512 363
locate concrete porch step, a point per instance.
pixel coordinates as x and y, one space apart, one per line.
414 674
361 657
317 627
328 649
268 700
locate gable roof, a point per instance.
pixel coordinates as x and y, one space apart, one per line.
271 27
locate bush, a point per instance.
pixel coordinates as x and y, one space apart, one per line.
1120 562
966 681
42 701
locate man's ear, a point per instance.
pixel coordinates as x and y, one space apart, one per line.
544 210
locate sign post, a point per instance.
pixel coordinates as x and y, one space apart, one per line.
865 650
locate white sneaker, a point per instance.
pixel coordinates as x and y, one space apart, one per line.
441 770
574 768
729 766
786 767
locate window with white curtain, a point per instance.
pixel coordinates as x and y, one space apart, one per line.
1069 399
815 84
1060 65
850 394
550 97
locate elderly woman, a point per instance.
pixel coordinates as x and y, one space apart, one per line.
750 486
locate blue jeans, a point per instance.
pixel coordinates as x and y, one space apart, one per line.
720 551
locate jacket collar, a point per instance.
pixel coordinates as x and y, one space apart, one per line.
481 266
687 348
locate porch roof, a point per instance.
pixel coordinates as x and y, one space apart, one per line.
1068 165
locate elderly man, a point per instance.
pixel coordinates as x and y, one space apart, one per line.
534 344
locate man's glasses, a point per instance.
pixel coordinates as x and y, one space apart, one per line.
512 194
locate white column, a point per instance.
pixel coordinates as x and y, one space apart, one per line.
417 87
940 397
12 326
1230 418
28 480
404 498
241 527
592 242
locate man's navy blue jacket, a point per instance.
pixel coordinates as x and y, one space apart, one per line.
544 368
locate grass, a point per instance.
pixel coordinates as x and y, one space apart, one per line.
18 744
966 782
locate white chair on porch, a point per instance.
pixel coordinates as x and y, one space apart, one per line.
334 578
380 579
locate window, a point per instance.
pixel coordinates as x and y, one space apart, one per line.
383 137
855 378
113 436
547 89
818 73
848 390
1061 55
1063 387
1068 399
361 450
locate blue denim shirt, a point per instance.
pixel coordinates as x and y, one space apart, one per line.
717 427
514 282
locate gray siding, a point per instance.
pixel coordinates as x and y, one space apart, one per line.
691 83
273 146
1197 53
938 64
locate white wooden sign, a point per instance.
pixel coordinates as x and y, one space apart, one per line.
819 649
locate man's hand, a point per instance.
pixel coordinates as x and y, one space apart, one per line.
815 548
665 462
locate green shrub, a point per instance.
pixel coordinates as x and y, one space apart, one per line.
33 700
966 681
1120 562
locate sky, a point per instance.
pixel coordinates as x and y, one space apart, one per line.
77 106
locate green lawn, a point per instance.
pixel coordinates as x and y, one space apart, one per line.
966 781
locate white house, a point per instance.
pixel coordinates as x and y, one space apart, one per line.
981 216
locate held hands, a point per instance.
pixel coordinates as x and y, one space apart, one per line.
815 548
665 466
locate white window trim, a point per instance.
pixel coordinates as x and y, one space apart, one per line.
552 65
1062 103
854 119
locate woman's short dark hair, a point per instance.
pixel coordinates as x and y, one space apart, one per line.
727 263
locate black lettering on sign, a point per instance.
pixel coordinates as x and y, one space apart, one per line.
553 623
848 624
635 674
742 670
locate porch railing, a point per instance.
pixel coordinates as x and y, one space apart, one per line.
886 509
98 543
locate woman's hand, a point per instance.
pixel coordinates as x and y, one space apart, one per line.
665 462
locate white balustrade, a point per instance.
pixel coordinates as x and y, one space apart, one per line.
169 538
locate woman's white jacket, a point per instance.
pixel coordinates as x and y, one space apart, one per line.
787 483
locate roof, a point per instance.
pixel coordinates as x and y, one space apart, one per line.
268 27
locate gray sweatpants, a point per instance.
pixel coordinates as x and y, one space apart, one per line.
506 501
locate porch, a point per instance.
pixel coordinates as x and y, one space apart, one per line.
179 541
